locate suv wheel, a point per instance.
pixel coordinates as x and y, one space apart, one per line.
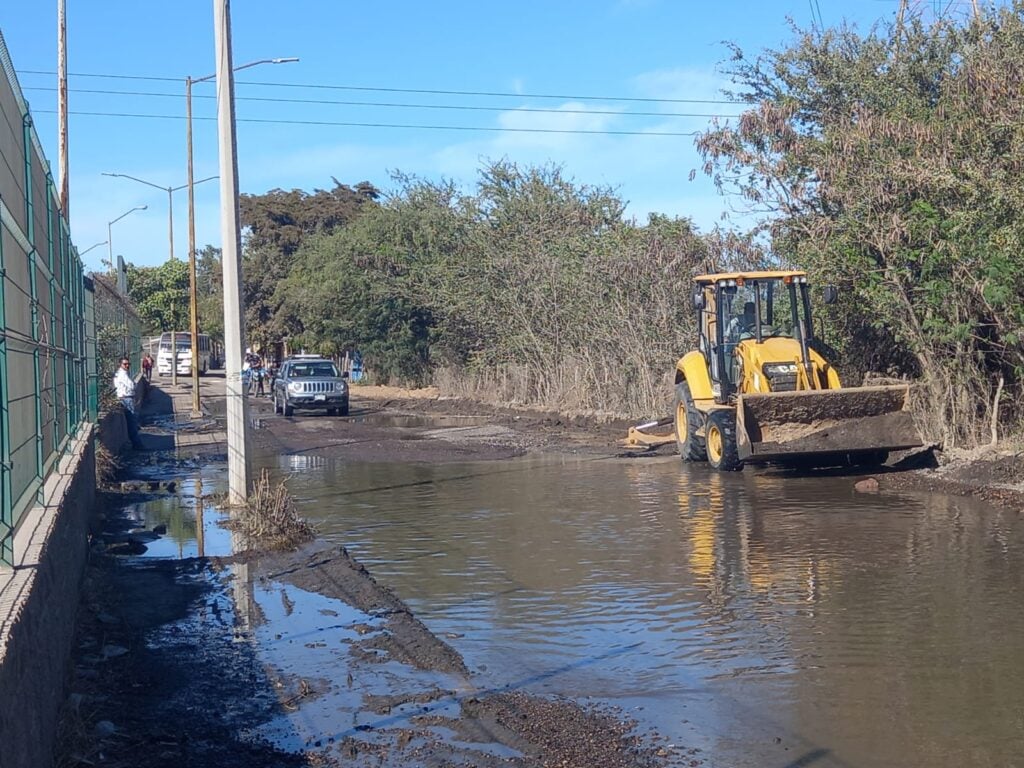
286 407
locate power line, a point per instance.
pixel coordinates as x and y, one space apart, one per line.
432 91
488 129
332 102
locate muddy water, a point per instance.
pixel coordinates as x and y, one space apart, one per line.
766 620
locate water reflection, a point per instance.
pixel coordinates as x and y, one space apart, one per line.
191 520
763 618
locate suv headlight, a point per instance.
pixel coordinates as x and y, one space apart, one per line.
294 387
339 386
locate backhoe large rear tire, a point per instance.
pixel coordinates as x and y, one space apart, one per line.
687 421
720 440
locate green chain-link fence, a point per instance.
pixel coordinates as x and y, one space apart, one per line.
45 392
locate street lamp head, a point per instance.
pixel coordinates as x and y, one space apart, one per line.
82 253
130 210
278 60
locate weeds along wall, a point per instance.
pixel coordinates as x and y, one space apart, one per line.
44 375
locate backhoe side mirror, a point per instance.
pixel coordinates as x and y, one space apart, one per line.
831 294
698 298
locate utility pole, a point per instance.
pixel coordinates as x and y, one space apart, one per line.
231 242
193 305
62 106
194 308
193 286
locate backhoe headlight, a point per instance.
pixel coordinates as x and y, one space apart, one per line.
779 369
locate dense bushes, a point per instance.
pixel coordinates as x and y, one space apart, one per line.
891 164
533 289
887 163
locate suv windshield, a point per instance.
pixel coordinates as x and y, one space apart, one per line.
306 370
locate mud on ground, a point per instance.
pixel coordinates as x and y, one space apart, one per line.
995 475
165 674
388 424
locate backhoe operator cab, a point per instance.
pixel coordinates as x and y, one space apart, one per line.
755 389
754 334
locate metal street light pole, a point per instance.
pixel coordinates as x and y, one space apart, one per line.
110 239
170 241
170 211
82 253
192 281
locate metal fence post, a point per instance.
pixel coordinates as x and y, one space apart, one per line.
52 337
33 291
89 337
6 500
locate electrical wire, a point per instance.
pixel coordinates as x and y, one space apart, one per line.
332 123
330 102
432 91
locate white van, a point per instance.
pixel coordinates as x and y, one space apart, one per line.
182 340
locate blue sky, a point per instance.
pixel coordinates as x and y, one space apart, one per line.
601 49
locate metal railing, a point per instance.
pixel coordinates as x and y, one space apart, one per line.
48 332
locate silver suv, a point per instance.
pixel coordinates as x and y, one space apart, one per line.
310 381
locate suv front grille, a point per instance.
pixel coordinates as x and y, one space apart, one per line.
316 387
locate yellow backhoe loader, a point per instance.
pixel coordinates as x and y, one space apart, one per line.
757 388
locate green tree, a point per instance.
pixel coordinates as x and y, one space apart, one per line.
275 225
533 289
210 292
161 295
889 163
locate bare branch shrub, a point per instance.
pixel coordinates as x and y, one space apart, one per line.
107 464
269 518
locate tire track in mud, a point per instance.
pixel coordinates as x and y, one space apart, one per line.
508 726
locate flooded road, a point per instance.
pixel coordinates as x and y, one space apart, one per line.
768 620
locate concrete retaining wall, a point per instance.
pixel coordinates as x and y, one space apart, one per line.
38 603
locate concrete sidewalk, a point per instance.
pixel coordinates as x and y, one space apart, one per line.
167 422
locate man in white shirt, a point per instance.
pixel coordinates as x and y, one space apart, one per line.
124 387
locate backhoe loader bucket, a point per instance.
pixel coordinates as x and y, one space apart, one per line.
781 425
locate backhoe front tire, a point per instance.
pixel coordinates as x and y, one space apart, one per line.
720 440
687 421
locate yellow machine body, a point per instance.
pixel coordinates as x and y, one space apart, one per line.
760 388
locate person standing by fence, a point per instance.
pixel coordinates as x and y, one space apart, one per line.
147 366
124 386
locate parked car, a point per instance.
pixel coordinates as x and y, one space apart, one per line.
310 382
